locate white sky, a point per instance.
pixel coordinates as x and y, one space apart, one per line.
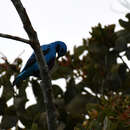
66 20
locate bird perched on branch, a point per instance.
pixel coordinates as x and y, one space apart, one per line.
49 50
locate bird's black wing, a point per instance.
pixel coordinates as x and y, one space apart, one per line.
32 59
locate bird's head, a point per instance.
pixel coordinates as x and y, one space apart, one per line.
61 48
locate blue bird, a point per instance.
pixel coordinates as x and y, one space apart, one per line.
49 50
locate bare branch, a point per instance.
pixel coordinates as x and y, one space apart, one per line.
15 38
46 85
26 21
124 62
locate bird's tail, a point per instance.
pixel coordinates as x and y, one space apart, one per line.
19 78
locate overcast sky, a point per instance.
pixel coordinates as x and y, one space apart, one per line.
66 20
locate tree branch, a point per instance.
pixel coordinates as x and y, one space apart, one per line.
124 62
15 38
45 85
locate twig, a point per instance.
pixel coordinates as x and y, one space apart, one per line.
124 62
15 38
46 86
